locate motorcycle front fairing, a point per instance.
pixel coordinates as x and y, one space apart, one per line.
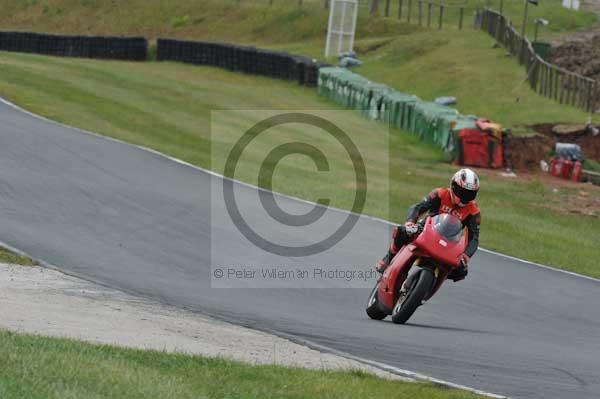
394 276
441 241
444 242
440 246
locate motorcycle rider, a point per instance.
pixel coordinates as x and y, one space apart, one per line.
459 201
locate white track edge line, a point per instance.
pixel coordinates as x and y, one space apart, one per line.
300 341
391 369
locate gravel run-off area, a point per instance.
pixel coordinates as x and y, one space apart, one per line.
42 301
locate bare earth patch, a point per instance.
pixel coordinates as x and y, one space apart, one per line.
41 301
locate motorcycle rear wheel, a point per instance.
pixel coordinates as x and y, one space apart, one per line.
373 308
407 305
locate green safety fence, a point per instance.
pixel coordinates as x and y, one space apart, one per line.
433 123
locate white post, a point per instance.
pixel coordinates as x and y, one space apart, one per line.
342 32
329 28
353 26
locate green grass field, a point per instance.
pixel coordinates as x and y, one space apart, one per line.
167 106
34 367
252 20
428 63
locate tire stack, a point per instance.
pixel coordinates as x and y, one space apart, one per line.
100 47
274 64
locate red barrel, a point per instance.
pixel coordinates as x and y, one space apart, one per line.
576 175
567 168
556 166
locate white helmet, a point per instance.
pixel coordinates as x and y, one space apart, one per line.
465 185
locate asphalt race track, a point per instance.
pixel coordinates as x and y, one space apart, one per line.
137 221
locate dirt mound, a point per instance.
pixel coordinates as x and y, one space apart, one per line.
527 152
582 57
576 134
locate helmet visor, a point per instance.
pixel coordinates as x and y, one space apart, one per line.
463 194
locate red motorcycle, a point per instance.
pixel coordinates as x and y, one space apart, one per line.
436 251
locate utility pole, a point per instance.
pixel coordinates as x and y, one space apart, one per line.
374 7
535 3
524 25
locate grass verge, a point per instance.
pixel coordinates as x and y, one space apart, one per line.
7 256
36 367
166 106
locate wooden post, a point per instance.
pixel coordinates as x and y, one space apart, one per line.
593 96
550 85
580 91
577 92
571 92
554 84
586 95
400 9
387 8
561 96
574 88
460 18
546 81
420 12
429 14
549 89
556 75
441 16
588 106
542 79
532 74
538 75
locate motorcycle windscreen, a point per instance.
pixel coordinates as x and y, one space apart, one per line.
448 226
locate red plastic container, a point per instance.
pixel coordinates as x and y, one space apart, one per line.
567 168
478 148
556 167
577 168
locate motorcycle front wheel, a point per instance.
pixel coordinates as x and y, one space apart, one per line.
373 308
408 303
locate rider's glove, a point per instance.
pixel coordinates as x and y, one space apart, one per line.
461 272
411 228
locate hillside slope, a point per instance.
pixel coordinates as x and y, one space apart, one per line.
429 63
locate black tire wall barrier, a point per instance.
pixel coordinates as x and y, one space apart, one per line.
274 64
102 47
